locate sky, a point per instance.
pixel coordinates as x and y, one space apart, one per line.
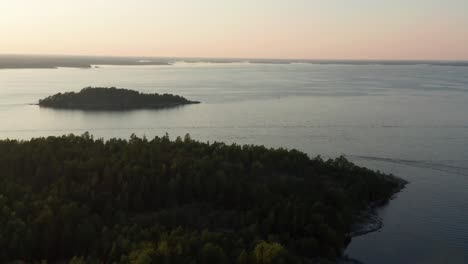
298 29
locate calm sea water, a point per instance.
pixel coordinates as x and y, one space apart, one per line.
410 120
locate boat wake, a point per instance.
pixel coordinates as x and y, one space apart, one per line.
432 165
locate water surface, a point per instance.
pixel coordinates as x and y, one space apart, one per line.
413 116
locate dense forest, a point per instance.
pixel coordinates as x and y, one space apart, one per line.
75 199
99 98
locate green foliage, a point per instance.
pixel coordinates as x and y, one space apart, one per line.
77 260
213 254
144 255
270 253
97 98
162 201
244 258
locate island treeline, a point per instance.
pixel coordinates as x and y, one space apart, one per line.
80 200
102 98
55 61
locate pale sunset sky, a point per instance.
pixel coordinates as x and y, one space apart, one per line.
308 29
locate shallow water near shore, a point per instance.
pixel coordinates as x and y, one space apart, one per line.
409 120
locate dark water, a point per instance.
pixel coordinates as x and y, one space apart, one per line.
410 120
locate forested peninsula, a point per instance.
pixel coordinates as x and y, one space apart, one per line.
75 199
101 98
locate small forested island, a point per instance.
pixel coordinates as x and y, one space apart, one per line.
100 98
75 199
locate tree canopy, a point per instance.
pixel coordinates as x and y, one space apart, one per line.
82 200
98 98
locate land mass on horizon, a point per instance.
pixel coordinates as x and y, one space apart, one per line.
87 62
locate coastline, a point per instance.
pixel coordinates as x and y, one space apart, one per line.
116 109
17 61
368 221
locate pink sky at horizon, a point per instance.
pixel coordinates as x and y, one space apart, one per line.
295 29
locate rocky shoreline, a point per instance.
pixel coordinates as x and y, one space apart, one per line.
368 221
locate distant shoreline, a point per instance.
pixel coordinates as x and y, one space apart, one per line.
87 62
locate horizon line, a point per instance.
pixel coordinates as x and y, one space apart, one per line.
232 58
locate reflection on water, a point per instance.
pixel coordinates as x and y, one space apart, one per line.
409 120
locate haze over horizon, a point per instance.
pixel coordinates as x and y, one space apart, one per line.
296 29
